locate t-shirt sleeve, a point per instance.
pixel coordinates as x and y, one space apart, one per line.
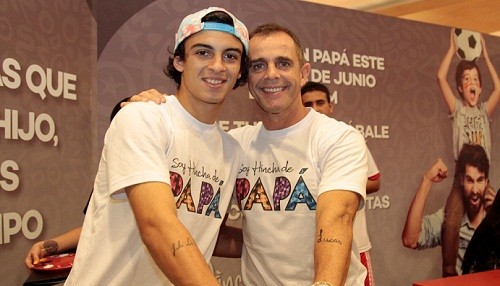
135 147
430 236
344 164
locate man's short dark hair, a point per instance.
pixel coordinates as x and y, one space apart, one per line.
268 29
217 17
475 156
315 86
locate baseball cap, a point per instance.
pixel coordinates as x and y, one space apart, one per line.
192 24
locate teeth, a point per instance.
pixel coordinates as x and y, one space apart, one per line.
276 89
214 81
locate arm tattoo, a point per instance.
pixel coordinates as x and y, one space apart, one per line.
50 247
179 245
327 239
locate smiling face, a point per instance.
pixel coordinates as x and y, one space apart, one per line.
276 76
470 87
209 70
474 185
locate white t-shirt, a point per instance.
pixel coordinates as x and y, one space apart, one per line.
360 230
280 178
144 143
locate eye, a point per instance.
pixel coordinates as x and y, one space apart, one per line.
257 66
203 53
231 57
283 64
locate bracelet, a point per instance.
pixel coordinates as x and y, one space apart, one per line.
321 283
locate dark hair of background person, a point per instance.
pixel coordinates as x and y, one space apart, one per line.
217 17
313 86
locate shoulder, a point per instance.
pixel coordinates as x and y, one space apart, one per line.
140 109
324 122
483 107
229 140
332 131
245 133
140 117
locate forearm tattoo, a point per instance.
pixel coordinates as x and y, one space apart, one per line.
50 247
179 245
327 239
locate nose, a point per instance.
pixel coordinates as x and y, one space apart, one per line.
217 64
475 188
271 72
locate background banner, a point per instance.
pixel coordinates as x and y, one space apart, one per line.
382 73
47 71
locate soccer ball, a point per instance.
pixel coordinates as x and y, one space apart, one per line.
468 44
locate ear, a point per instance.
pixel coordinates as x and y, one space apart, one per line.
179 64
305 70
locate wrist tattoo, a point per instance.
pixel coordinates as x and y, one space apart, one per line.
327 239
50 247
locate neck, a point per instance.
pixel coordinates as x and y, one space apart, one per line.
284 118
203 111
278 121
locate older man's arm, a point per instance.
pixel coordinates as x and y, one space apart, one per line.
334 220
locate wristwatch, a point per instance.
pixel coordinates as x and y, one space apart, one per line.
321 283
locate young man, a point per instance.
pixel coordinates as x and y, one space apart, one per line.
301 179
167 171
317 96
422 232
